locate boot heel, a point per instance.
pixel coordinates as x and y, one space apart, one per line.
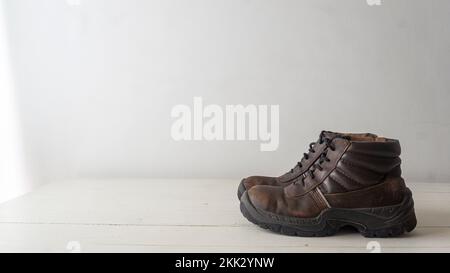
407 225
395 220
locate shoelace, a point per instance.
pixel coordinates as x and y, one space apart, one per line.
322 139
323 158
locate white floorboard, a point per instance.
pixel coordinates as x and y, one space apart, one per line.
157 215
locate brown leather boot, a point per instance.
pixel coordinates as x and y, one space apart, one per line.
356 182
309 158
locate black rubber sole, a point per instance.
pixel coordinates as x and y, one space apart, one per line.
389 221
241 189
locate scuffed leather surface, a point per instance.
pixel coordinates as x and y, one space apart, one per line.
273 199
387 193
252 181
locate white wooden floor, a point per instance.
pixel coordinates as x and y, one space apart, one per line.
184 216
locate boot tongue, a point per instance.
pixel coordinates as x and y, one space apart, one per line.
331 135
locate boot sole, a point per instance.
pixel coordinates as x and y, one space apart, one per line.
389 221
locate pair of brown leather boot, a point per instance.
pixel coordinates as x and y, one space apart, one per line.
343 180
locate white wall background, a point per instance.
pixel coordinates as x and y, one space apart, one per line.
96 82
15 176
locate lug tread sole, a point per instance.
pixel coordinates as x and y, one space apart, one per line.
406 223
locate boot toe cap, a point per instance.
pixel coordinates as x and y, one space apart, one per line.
264 197
252 181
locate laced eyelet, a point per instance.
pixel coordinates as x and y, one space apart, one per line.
323 140
321 160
